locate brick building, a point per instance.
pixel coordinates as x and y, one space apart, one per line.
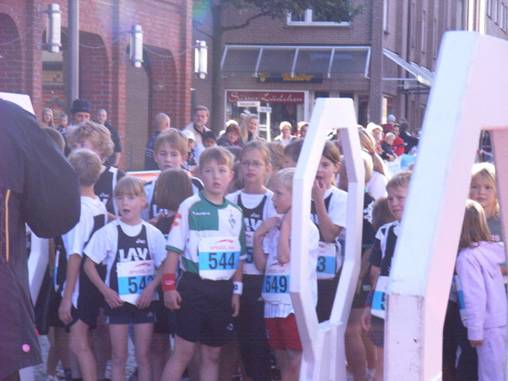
384 59
131 96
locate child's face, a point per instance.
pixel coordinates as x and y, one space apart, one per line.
232 136
130 207
216 177
253 167
326 171
168 157
397 200
209 143
281 198
483 191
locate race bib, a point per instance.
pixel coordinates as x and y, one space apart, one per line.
327 261
133 277
378 307
276 284
460 298
219 257
249 267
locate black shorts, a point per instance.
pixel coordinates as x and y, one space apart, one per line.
130 314
54 305
205 314
164 319
360 298
327 289
251 330
86 315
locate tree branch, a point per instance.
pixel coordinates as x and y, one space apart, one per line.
195 25
246 23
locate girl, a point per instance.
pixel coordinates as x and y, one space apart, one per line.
255 200
376 186
171 188
272 255
132 249
328 212
481 294
47 117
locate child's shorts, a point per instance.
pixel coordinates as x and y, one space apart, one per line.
283 333
164 319
130 314
205 314
377 331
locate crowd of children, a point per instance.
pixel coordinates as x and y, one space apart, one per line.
194 267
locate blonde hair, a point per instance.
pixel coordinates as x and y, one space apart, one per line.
98 135
401 179
220 154
486 171
284 177
87 165
130 185
285 124
368 144
176 140
474 227
277 157
260 146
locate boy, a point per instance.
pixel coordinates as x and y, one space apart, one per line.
381 261
272 255
80 303
170 152
131 249
207 235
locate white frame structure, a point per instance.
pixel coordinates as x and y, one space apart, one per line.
469 94
323 344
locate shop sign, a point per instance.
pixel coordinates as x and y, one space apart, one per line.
288 78
266 96
248 104
266 109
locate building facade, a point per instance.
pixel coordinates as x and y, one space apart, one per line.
131 96
384 59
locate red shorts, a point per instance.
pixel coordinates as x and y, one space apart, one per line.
282 333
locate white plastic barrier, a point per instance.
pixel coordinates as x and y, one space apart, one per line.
468 95
323 344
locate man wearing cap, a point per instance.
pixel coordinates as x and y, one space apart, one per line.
80 111
198 127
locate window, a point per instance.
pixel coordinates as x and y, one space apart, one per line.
423 32
386 8
489 8
495 10
413 25
435 42
313 18
460 15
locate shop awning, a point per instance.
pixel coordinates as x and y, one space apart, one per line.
421 74
300 63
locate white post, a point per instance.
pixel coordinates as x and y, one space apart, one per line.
323 344
469 94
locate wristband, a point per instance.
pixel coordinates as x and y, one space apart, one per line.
168 282
237 288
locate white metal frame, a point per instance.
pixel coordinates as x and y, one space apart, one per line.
323 344
469 94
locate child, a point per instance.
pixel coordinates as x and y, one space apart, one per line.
190 162
207 235
98 138
328 212
272 255
381 260
172 187
79 306
255 200
170 152
209 139
376 186
387 146
132 250
481 294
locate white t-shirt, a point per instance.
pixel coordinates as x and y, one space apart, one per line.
74 240
337 208
253 215
276 283
376 186
103 247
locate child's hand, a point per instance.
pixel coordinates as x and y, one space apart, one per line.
172 300
235 304
146 297
365 319
318 190
475 343
64 311
112 298
267 225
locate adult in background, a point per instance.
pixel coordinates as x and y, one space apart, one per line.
391 121
37 187
102 118
199 126
285 136
249 127
80 111
302 129
409 140
64 123
161 123
47 117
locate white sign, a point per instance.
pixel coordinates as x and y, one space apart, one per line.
248 104
22 100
